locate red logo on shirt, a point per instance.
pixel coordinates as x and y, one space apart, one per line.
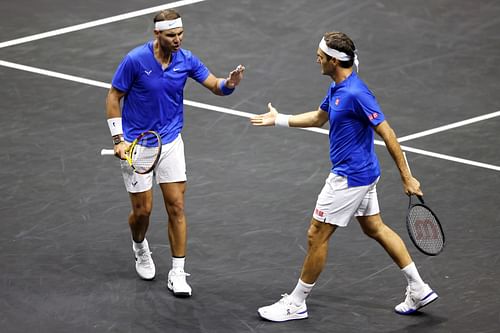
337 101
373 116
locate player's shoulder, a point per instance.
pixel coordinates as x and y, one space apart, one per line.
141 50
358 86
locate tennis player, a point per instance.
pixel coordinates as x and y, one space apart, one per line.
150 80
350 189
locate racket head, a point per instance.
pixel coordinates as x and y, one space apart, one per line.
144 152
424 228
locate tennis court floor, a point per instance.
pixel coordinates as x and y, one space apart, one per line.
67 263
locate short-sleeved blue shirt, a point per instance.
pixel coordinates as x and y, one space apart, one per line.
154 97
353 111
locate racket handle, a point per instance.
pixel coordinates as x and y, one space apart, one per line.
105 152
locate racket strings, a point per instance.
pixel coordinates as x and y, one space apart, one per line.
425 229
145 153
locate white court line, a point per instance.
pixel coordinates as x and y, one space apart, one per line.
236 112
449 126
444 157
96 23
55 74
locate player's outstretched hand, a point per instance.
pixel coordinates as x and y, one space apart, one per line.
235 76
266 119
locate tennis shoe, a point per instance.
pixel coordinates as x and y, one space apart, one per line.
284 310
177 283
416 299
144 264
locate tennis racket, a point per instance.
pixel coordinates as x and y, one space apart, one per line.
143 153
424 228
423 225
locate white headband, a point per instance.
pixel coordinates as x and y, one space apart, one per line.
168 24
337 54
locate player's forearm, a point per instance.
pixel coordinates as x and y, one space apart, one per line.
307 119
394 148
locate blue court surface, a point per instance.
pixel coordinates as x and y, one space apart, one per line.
65 249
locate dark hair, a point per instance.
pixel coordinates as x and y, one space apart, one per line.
164 15
341 42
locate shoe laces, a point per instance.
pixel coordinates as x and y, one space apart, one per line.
409 298
285 299
408 291
179 272
144 257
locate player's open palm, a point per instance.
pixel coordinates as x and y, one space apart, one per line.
236 75
266 119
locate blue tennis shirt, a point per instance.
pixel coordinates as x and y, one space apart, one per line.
353 111
154 97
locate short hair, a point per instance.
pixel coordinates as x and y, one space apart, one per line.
164 15
341 42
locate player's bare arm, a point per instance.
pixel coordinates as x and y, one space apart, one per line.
222 87
410 184
113 111
315 118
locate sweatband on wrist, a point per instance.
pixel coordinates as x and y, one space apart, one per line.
225 90
282 120
115 126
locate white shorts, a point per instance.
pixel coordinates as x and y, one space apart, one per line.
337 203
171 168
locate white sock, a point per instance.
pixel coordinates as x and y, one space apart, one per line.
412 276
178 263
301 291
138 246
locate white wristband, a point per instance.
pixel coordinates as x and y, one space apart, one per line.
115 126
282 120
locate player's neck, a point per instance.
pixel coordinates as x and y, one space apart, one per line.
163 56
341 74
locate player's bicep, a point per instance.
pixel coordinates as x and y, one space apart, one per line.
322 116
113 102
384 130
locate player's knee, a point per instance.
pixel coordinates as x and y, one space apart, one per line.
312 235
374 230
142 210
175 209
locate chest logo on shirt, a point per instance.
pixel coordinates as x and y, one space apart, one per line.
337 101
148 72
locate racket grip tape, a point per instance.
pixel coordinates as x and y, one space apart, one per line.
105 152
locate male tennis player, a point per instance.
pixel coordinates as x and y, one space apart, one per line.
151 80
350 189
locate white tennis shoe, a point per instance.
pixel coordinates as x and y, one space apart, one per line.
416 299
283 310
144 264
177 283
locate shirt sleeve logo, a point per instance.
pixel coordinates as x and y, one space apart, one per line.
373 116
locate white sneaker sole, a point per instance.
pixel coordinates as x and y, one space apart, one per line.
431 297
146 277
295 316
181 294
